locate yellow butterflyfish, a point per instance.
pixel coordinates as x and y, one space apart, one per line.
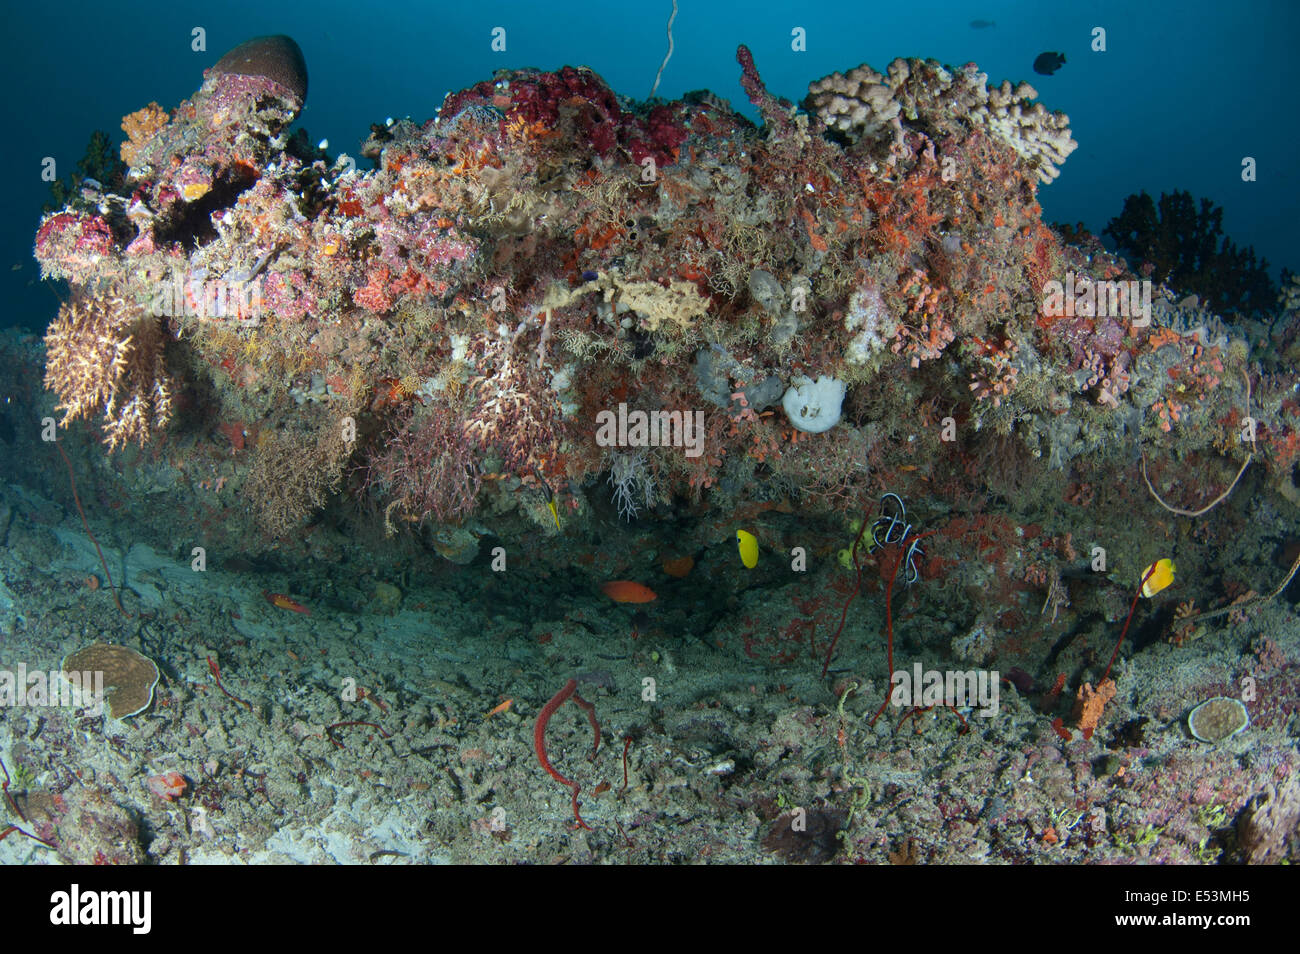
1157 576
748 544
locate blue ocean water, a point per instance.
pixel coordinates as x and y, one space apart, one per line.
1184 90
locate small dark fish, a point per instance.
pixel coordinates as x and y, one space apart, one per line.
1048 63
982 24
1020 679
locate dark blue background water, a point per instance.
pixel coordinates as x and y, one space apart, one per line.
1184 91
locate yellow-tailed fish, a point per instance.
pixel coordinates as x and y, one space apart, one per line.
550 497
1159 575
748 544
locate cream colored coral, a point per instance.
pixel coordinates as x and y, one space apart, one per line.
104 355
680 303
863 104
860 103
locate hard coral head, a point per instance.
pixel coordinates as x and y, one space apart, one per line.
277 58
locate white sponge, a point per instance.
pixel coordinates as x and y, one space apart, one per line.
813 406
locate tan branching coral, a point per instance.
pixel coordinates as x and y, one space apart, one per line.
295 473
680 304
140 126
104 355
864 104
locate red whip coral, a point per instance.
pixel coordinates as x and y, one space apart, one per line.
570 691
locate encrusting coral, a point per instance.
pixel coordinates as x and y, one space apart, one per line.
128 677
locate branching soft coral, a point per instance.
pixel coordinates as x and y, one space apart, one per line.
104 355
427 467
517 417
140 126
296 471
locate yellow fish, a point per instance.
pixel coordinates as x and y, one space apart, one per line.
748 544
1157 576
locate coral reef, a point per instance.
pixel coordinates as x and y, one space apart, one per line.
367 386
541 249
432 341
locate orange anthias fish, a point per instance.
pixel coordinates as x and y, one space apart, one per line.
678 566
625 591
282 601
